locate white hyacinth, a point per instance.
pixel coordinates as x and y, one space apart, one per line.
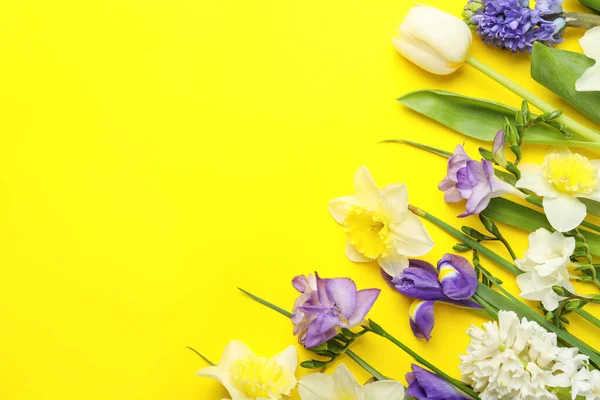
519 360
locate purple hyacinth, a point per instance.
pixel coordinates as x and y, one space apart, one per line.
325 305
512 25
453 281
425 385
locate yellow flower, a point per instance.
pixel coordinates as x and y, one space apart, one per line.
379 225
561 180
248 377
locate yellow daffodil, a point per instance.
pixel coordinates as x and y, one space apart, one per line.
378 224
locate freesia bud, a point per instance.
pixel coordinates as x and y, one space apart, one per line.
499 148
434 40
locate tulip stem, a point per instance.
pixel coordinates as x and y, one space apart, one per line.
574 126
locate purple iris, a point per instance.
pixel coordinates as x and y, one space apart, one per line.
425 385
453 281
512 25
473 181
325 305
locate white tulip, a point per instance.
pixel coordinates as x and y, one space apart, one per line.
343 386
436 41
590 43
249 377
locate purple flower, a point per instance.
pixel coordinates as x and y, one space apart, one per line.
473 181
325 305
499 148
512 25
453 281
425 385
421 318
448 185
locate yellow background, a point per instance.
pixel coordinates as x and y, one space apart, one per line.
157 154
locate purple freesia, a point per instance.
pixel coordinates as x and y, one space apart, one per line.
453 282
425 385
448 184
325 305
473 181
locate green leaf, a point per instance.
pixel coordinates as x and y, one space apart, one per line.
528 219
558 70
481 119
595 4
430 149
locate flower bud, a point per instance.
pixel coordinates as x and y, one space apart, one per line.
499 148
436 41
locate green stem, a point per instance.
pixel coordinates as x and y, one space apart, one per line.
366 366
581 20
574 126
201 356
589 317
378 330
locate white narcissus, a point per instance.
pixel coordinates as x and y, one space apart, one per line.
561 180
341 385
249 377
379 226
436 41
545 265
590 43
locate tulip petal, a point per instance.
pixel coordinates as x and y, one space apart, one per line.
422 54
421 318
364 302
316 386
564 212
384 390
457 277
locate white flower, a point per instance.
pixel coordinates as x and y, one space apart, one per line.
590 43
545 265
586 383
379 225
561 180
248 377
547 252
510 359
567 366
343 386
436 41
539 288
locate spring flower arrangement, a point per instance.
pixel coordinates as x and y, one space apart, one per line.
522 353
